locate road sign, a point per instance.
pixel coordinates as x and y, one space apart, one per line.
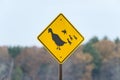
60 38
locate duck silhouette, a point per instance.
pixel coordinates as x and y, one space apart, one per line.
55 37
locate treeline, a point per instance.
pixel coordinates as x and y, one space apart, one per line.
94 60
16 50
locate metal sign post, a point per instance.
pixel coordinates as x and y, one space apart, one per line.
60 71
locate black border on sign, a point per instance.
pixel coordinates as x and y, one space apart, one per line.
49 50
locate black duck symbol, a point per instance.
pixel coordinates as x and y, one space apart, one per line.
58 41
75 37
69 41
64 31
70 37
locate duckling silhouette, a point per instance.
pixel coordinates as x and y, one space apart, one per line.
69 41
75 37
64 31
70 37
55 37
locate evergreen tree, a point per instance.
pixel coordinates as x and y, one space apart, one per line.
94 40
89 48
117 40
17 74
105 38
14 51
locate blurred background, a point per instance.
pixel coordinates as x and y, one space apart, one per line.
22 57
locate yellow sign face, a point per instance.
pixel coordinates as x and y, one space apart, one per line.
60 38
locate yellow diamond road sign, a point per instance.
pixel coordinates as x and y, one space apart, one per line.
60 38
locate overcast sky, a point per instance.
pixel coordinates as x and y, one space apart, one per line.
22 20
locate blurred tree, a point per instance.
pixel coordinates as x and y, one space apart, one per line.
89 48
117 40
105 38
94 40
14 51
4 53
30 59
17 74
97 61
105 48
